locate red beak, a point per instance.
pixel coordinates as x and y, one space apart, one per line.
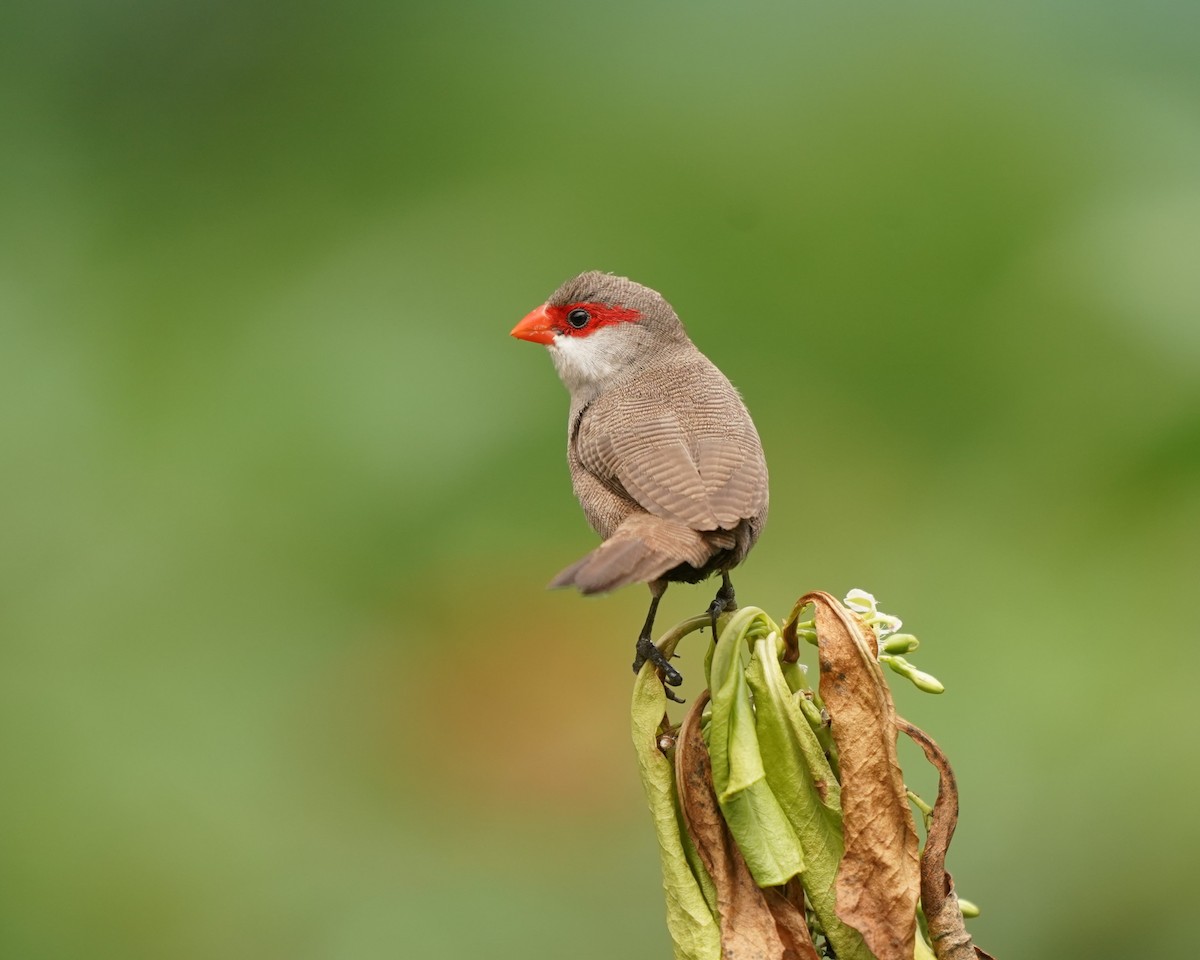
536 327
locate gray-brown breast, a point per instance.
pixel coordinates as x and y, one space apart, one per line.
677 439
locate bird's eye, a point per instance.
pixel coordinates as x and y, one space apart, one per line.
578 318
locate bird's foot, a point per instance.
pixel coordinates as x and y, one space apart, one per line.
646 650
723 602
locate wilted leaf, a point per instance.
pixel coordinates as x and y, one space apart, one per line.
791 641
878 881
692 926
750 928
799 775
947 931
752 811
787 907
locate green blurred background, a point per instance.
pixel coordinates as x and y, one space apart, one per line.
280 496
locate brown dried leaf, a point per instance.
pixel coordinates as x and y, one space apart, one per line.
750 928
942 914
878 880
787 906
791 643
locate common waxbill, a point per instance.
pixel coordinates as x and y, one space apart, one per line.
664 457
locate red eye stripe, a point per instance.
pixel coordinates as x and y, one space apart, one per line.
602 315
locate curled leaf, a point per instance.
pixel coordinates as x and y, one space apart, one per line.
781 810
799 775
758 824
787 907
878 881
748 915
792 626
943 915
690 920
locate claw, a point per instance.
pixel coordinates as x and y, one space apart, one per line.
724 600
646 650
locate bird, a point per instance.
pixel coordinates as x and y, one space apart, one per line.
664 457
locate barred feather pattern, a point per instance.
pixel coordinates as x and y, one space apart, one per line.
669 470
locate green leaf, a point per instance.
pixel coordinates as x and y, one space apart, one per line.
808 701
800 776
690 919
757 822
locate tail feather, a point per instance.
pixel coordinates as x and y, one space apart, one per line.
642 548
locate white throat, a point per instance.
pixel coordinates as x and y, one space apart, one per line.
585 364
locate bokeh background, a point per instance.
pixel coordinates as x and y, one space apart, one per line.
279 496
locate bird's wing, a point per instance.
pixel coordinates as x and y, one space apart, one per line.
694 457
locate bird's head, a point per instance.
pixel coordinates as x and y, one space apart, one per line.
600 328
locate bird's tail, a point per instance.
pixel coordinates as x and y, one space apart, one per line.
642 548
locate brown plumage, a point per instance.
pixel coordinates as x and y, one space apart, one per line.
664 457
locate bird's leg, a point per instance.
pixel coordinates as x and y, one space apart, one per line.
722 602
646 650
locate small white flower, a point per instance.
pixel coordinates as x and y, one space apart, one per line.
885 624
865 605
860 601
